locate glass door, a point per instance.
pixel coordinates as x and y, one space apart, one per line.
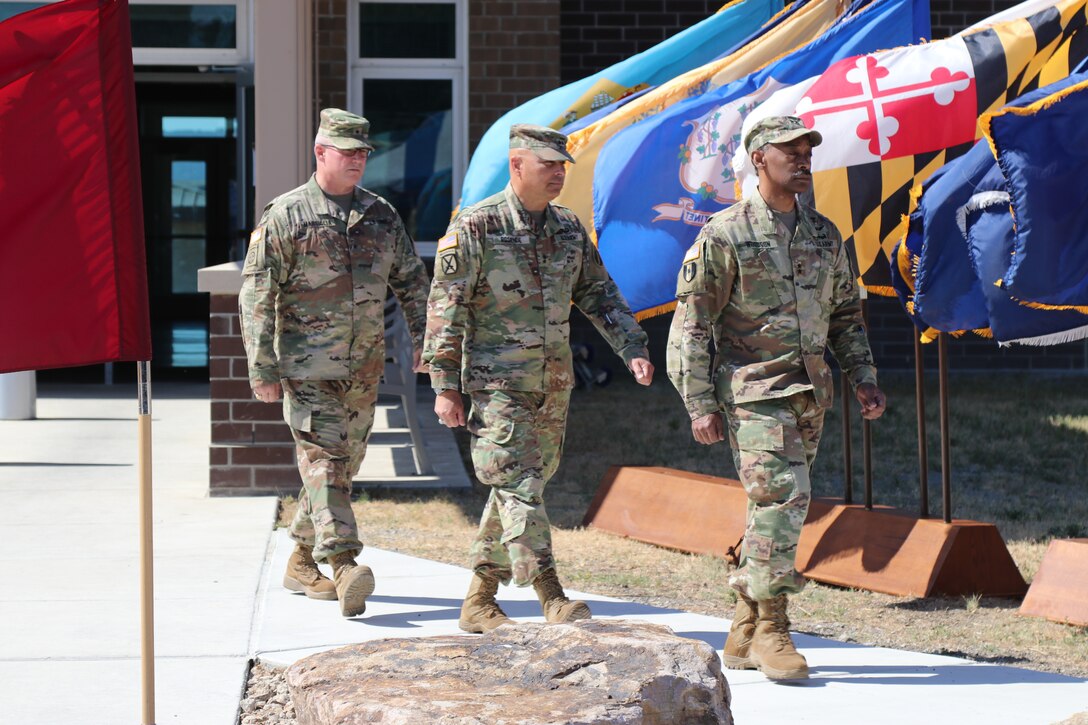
188 153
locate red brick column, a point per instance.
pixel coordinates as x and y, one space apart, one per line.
251 451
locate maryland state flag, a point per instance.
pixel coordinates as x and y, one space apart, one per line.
893 118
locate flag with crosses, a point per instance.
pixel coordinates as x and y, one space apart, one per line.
891 119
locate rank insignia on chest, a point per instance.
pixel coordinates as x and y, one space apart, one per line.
449 263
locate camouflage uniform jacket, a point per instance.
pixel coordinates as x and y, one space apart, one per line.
499 310
315 282
770 305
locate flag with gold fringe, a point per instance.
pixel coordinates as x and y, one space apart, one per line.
893 118
803 22
733 23
932 274
1041 144
659 179
962 232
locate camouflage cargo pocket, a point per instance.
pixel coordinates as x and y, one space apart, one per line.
492 428
296 414
760 434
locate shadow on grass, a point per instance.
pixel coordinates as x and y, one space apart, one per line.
951 604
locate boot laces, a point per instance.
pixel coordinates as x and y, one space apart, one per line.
780 623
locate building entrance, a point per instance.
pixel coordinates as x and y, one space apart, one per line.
188 152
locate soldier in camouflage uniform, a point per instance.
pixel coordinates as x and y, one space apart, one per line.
312 311
497 329
768 283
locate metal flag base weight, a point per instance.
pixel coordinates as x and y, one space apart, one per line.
879 549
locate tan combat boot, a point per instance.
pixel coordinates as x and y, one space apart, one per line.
557 608
302 575
480 612
735 653
354 583
772 650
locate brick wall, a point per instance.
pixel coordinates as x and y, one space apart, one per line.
330 46
251 447
948 17
513 57
598 33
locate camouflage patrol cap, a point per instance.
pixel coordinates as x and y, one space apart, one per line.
779 129
344 130
547 143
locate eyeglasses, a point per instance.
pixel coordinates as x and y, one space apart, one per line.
349 153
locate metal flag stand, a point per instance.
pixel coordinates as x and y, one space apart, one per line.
147 585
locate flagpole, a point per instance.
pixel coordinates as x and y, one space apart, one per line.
147 588
946 446
847 455
867 426
920 406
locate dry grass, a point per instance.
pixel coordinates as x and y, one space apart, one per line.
1019 456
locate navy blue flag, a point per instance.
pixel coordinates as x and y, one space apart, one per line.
1041 143
988 226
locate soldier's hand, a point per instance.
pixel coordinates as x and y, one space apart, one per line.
708 429
449 409
872 401
643 370
268 392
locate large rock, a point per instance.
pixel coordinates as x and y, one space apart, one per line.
596 671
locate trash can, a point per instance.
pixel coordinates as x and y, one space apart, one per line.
18 395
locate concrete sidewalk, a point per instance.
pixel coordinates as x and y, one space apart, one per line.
70 646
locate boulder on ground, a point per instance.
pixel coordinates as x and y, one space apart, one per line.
595 671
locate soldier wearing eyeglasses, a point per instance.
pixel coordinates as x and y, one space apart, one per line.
312 310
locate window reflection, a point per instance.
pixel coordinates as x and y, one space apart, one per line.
411 127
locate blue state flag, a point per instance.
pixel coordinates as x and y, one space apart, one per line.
989 229
947 294
488 172
1041 143
658 181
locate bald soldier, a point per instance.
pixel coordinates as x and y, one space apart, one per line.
768 283
312 309
498 329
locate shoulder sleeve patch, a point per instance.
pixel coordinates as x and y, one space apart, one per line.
692 276
255 253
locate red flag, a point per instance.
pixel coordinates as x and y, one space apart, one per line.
72 274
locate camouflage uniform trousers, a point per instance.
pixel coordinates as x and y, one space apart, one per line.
331 421
774 443
517 440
